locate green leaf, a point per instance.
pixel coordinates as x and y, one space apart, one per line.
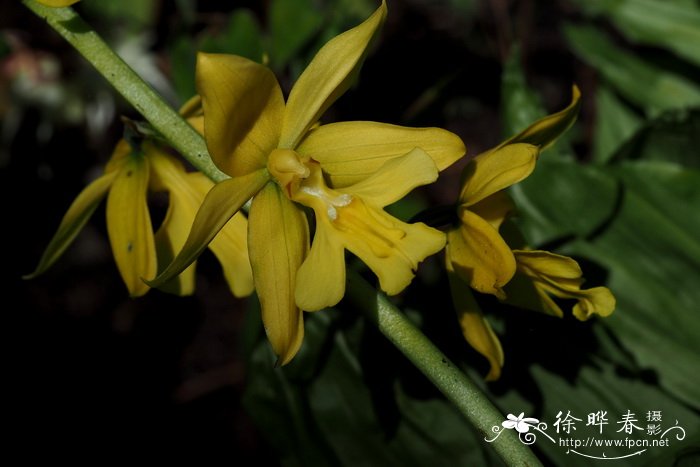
241 36
673 137
293 23
131 14
181 53
649 248
521 105
342 407
278 401
562 199
615 123
648 86
652 251
595 388
669 24
427 432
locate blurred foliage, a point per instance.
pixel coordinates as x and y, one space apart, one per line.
293 30
620 193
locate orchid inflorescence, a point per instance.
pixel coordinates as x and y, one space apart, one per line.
301 192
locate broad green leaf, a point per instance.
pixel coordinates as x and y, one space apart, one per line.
615 123
650 87
562 198
652 251
670 24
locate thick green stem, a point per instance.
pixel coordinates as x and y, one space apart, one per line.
135 90
456 386
447 377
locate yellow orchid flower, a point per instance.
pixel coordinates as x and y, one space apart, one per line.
478 257
57 3
277 154
476 250
128 177
548 274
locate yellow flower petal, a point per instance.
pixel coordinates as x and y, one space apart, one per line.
278 239
73 221
243 108
187 192
121 152
396 178
321 278
522 292
327 77
129 225
230 246
494 209
561 277
218 207
169 239
392 249
545 131
167 174
545 263
475 328
479 255
598 300
57 3
495 170
351 151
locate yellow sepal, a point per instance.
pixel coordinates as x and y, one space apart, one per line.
475 328
327 77
243 110
278 240
351 151
73 221
129 225
221 203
